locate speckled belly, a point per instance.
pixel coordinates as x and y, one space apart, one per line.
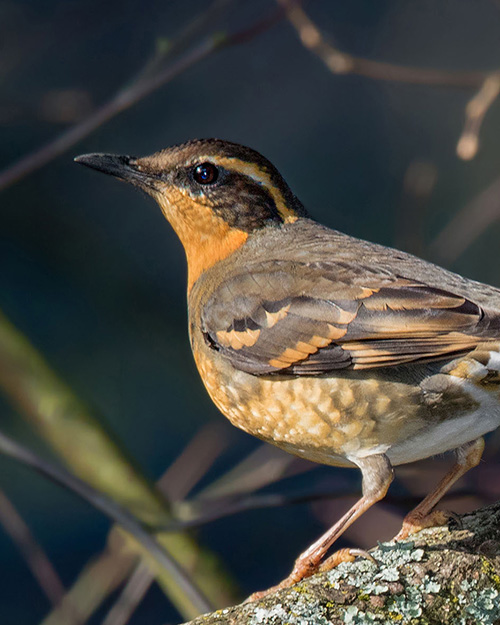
324 419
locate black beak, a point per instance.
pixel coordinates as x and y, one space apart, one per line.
122 167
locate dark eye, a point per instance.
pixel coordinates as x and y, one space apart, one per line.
206 173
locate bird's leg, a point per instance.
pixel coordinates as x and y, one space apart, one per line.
377 477
469 456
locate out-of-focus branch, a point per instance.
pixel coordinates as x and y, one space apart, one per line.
194 461
197 513
35 557
467 225
92 585
133 92
86 447
98 579
475 111
131 596
340 62
111 509
264 466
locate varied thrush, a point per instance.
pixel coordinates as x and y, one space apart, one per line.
337 350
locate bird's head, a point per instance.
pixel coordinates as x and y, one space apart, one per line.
214 193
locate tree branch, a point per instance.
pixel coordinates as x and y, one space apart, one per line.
476 109
83 443
441 575
340 62
111 509
34 555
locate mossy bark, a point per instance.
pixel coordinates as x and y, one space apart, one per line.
447 575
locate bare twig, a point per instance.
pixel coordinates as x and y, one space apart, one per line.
176 482
467 225
418 184
167 49
96 581
131 595
35 557
475 111
111 509
121 101
130 95
194 461
193 514
265 465
340 62
80 440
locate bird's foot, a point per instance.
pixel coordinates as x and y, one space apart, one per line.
301 570
304 569
344 555
416 521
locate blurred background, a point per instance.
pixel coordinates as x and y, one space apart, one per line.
95 278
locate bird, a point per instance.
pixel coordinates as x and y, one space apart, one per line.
337 350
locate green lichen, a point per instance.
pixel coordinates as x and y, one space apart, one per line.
407 606
483 606
373 588
429 586
354 616
488 569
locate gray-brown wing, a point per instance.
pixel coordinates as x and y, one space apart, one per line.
312 318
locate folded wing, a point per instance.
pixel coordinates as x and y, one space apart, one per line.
314 318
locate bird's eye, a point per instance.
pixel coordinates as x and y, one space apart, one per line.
206 173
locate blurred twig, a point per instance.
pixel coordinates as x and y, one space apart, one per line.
88 588
35 557
194 461
98 579
467 225
182 475
132 93
166 49
263 466
340 62
475 111
131 596
111 509
418 184
87 448
198 513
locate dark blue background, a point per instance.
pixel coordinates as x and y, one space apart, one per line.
95 277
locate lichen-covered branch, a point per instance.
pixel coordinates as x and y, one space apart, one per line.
440 576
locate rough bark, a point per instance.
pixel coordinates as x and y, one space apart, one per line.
447 575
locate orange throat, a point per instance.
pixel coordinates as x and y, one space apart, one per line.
206 238
203 253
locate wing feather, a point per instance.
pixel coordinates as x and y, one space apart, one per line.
312 318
